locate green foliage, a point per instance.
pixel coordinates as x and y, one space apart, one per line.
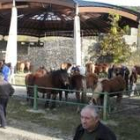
134 59
113 43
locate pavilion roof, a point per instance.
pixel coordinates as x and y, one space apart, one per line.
56 17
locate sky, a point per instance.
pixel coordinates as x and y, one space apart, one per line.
119 2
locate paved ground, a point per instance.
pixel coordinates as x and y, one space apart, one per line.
11 133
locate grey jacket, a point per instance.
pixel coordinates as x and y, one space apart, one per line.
6 89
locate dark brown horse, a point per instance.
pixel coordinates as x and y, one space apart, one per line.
49 82
78 83
114 87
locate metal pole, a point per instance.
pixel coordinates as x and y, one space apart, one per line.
105 106
35 98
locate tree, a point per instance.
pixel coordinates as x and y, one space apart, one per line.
113 44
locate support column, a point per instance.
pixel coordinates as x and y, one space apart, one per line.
11 49
138 36
77 38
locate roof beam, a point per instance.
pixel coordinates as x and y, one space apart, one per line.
67 3
108 10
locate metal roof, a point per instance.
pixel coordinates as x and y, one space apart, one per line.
56 18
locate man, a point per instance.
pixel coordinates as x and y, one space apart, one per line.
5 70
91 128
6 90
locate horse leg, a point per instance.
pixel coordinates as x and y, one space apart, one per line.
78 97
66 95
118 100
48 98
53 104
78 101
60 95
43 95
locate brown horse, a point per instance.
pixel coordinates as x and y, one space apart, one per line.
78 83
90 67
24 66
114 87
137 68
27 66
65 66
81 83
29 79
47 83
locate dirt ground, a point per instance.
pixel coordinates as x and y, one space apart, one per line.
26 124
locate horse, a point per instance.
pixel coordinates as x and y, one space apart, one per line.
23 66
20 66
101 68
137 69
78 83
123 71
27 66
114 87
90 67
91 80
65 66
29 82
96 68
47 83
81 83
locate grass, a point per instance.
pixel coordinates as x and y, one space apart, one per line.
60 119
65 119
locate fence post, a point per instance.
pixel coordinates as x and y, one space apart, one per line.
35 98
105 106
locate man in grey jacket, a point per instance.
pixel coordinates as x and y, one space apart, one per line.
6 90
91 128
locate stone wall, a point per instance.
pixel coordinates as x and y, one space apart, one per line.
56 50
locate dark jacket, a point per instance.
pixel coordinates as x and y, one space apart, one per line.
102 132
6 89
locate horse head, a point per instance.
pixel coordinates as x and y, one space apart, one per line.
60 78
91 80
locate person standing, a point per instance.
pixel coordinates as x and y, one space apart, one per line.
5 70
6 90
91 128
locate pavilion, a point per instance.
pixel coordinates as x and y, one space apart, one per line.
69 18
